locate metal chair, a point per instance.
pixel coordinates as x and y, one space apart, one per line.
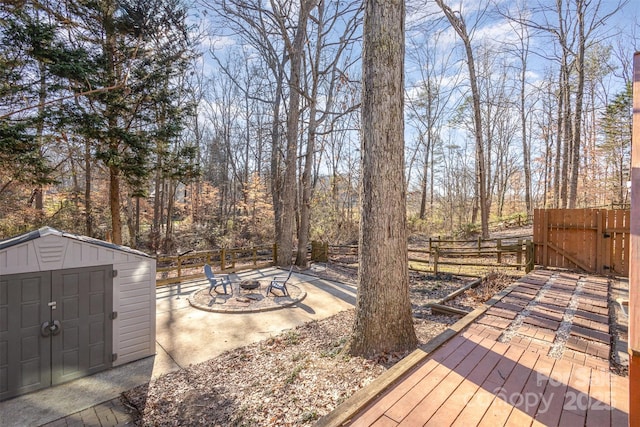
279 283
215 281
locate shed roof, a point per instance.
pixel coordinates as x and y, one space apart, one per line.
45 231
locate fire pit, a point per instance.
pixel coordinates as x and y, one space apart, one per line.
249 285
245 298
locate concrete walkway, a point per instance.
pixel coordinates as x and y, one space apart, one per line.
184 335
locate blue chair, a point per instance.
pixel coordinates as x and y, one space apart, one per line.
215 281
279 283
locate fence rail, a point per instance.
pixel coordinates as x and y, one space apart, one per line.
189 266
513 252
438 256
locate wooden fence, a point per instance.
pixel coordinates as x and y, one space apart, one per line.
592 240
189 266
471 257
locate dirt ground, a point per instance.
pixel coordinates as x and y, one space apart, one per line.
293 378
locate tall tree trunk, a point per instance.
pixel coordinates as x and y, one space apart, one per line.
157 207
559 140
111 115
526 152
307 189
383 309
566 145
577 120
114 205
424 181
287 232
42 97
168 237
276 175
88 206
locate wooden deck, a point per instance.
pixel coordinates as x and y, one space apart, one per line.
538 356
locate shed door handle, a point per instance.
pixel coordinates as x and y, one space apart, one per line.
48 329
55 327
45 330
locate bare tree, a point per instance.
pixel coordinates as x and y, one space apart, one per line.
459 25
429 104
574 26
326 52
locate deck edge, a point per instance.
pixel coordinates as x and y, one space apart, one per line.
345 412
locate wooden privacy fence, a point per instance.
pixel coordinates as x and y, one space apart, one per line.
593 240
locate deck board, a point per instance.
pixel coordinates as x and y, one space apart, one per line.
518 371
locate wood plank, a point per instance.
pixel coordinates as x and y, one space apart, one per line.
576 399
438 380
634 267
621 411
535 386
545 230
554 394
617 263
601 218
626 236
384 421
512 386
377 408
599 409
448 404
566 256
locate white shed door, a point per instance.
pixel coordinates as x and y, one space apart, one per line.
55 326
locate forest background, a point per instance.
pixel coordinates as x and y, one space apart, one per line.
169 125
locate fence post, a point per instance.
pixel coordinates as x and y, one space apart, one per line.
234 255
255 255
275 254
519 254
436 255
430 244
179 266
479 245
319 251
499 250
223 258
529 248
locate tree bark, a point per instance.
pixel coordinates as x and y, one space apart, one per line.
114 205
88 205
111 115
287 223
577 120
383 321
276 176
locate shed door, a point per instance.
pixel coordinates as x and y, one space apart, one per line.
55 326
83 298
24 355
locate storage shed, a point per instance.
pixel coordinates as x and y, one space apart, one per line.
71 306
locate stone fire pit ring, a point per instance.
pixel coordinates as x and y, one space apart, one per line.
247 296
